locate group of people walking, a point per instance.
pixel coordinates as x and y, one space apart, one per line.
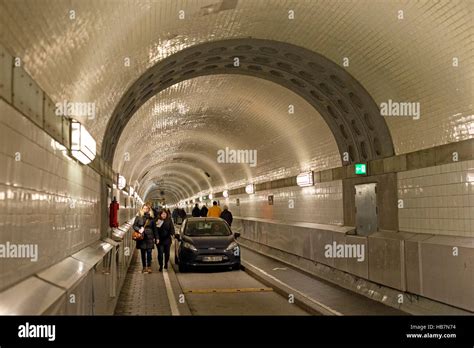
157 229
214 211
178 215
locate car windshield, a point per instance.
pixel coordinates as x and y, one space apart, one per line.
206 228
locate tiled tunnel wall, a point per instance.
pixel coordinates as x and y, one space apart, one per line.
45 198
438 200
319 204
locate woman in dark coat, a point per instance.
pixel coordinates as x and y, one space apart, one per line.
165 229
145 223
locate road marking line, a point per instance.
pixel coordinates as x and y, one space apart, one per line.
170 294
329 309
224 290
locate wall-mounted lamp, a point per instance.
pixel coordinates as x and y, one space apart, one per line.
83 145
121 182
305 179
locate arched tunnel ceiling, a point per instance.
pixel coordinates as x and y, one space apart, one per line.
410 59
349 111
189 122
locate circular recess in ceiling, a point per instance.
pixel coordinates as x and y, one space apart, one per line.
368 121
306 75
190 65
343 131
316 67
164 82
168 73
325 89
337 81
377 146
213 59
268 50
276 73
316 95
363 149
331 111
216 50
254 67
354 127
261 60
193 55
243 48
168 65
343 106
350 150
299 83
293 57
188 72
283 65
355 100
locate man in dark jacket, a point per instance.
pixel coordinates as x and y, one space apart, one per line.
182 214
165 230
204 211
175 215
227 215
196 211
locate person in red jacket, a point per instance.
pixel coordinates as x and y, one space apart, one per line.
113 213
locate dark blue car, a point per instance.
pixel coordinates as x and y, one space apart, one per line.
206 242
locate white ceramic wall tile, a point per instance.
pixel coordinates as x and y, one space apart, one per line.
319 204
36 194
438 203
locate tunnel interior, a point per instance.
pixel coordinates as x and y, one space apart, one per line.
237 102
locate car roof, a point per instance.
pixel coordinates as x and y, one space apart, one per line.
204 219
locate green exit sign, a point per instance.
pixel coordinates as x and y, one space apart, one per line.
361 168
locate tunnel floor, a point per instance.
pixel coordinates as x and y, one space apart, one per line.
143 294
225 292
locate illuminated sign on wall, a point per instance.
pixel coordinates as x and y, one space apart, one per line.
360 169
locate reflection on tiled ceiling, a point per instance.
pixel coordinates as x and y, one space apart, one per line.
403 51
409 59
185 125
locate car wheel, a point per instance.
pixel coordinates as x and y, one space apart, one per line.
236 267
182 268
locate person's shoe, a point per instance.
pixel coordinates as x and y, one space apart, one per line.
145 270
166 267
149 270
161 269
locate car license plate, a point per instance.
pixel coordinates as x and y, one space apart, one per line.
212 258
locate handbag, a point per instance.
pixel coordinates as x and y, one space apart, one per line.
140 236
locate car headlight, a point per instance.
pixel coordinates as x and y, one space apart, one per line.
189 246
232 246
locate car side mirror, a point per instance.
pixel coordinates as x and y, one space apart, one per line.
236 234
177 236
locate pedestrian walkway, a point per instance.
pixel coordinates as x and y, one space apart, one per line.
332 297
143 294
